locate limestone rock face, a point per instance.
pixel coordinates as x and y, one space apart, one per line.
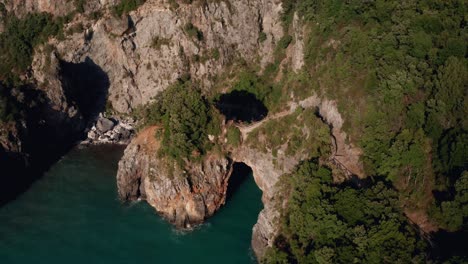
267 170
149 50
184 197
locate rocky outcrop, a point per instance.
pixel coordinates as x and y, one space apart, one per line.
185 197
142 174
267 170
345 155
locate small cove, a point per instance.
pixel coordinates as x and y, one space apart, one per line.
72 215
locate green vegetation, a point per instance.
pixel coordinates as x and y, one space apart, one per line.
403 66
77 28
126 6
262 37
79 5
210 54
21 36
233 136
399 72
287 133
263 89
187 119
10 108
157 42
193 32
451 214
327 223
215 54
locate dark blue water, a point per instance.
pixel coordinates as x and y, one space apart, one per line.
72 215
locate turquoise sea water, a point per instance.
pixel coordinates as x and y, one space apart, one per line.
72 215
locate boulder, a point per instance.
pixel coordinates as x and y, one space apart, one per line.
104 124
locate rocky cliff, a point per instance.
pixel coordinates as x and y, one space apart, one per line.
188 196
185 196
152 47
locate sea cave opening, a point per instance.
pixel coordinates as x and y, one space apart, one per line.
240 173
241 106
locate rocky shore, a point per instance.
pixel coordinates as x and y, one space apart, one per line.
110 130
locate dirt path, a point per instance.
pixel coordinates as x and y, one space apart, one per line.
245 129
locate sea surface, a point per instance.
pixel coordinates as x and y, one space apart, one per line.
72 215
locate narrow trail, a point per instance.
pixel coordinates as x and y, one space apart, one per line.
245 129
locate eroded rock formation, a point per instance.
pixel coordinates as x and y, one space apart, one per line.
183 196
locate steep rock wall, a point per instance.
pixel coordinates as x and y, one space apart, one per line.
149 50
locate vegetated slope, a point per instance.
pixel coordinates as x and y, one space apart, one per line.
398 70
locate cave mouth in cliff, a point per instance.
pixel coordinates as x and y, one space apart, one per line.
240 173
241 106
86 85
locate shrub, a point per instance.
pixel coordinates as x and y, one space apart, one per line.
193 32
126 6
262 37
157 42
233 136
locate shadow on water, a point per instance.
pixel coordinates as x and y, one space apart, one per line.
240 173
46 134
241 106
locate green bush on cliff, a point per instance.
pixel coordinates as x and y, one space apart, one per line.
186 118
21 36
126 6
233 136
328 223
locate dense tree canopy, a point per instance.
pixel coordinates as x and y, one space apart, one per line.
327 223
399 71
